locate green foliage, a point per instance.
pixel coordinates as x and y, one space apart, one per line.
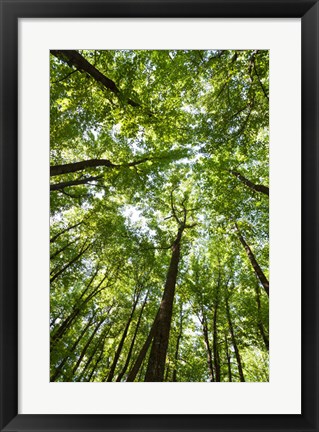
199 117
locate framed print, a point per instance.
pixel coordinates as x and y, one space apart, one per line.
163 155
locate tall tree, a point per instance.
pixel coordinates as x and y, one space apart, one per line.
156 362
124 335
234 340
259 273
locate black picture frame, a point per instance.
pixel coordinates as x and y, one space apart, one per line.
11 11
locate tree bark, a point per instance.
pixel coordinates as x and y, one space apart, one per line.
156 362
256 187
234 342
56 170
259 273
74 58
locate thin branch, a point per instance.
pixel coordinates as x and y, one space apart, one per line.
158 247
65 77
63 249
62 185
256 187
52 279
259 80
173 208
54 238
192 225
72 167
72 195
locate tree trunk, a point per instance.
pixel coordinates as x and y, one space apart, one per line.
178 340
260 323
63 328
129 354
215 344
256 187
234 342
141 372
86 347
141 356
79 306
156 362
99 343
259 273
90 283
174 377
167 371
230 377
208 350
120 347
97 361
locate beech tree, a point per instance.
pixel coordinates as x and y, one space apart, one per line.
159 242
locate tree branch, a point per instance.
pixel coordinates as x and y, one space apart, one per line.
65 77
79 166
173 209
74 58
57 274
257 187
259 80
93 163
54 238
62 185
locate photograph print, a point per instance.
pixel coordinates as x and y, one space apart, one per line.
159 215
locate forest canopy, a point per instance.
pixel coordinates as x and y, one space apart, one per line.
159 215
